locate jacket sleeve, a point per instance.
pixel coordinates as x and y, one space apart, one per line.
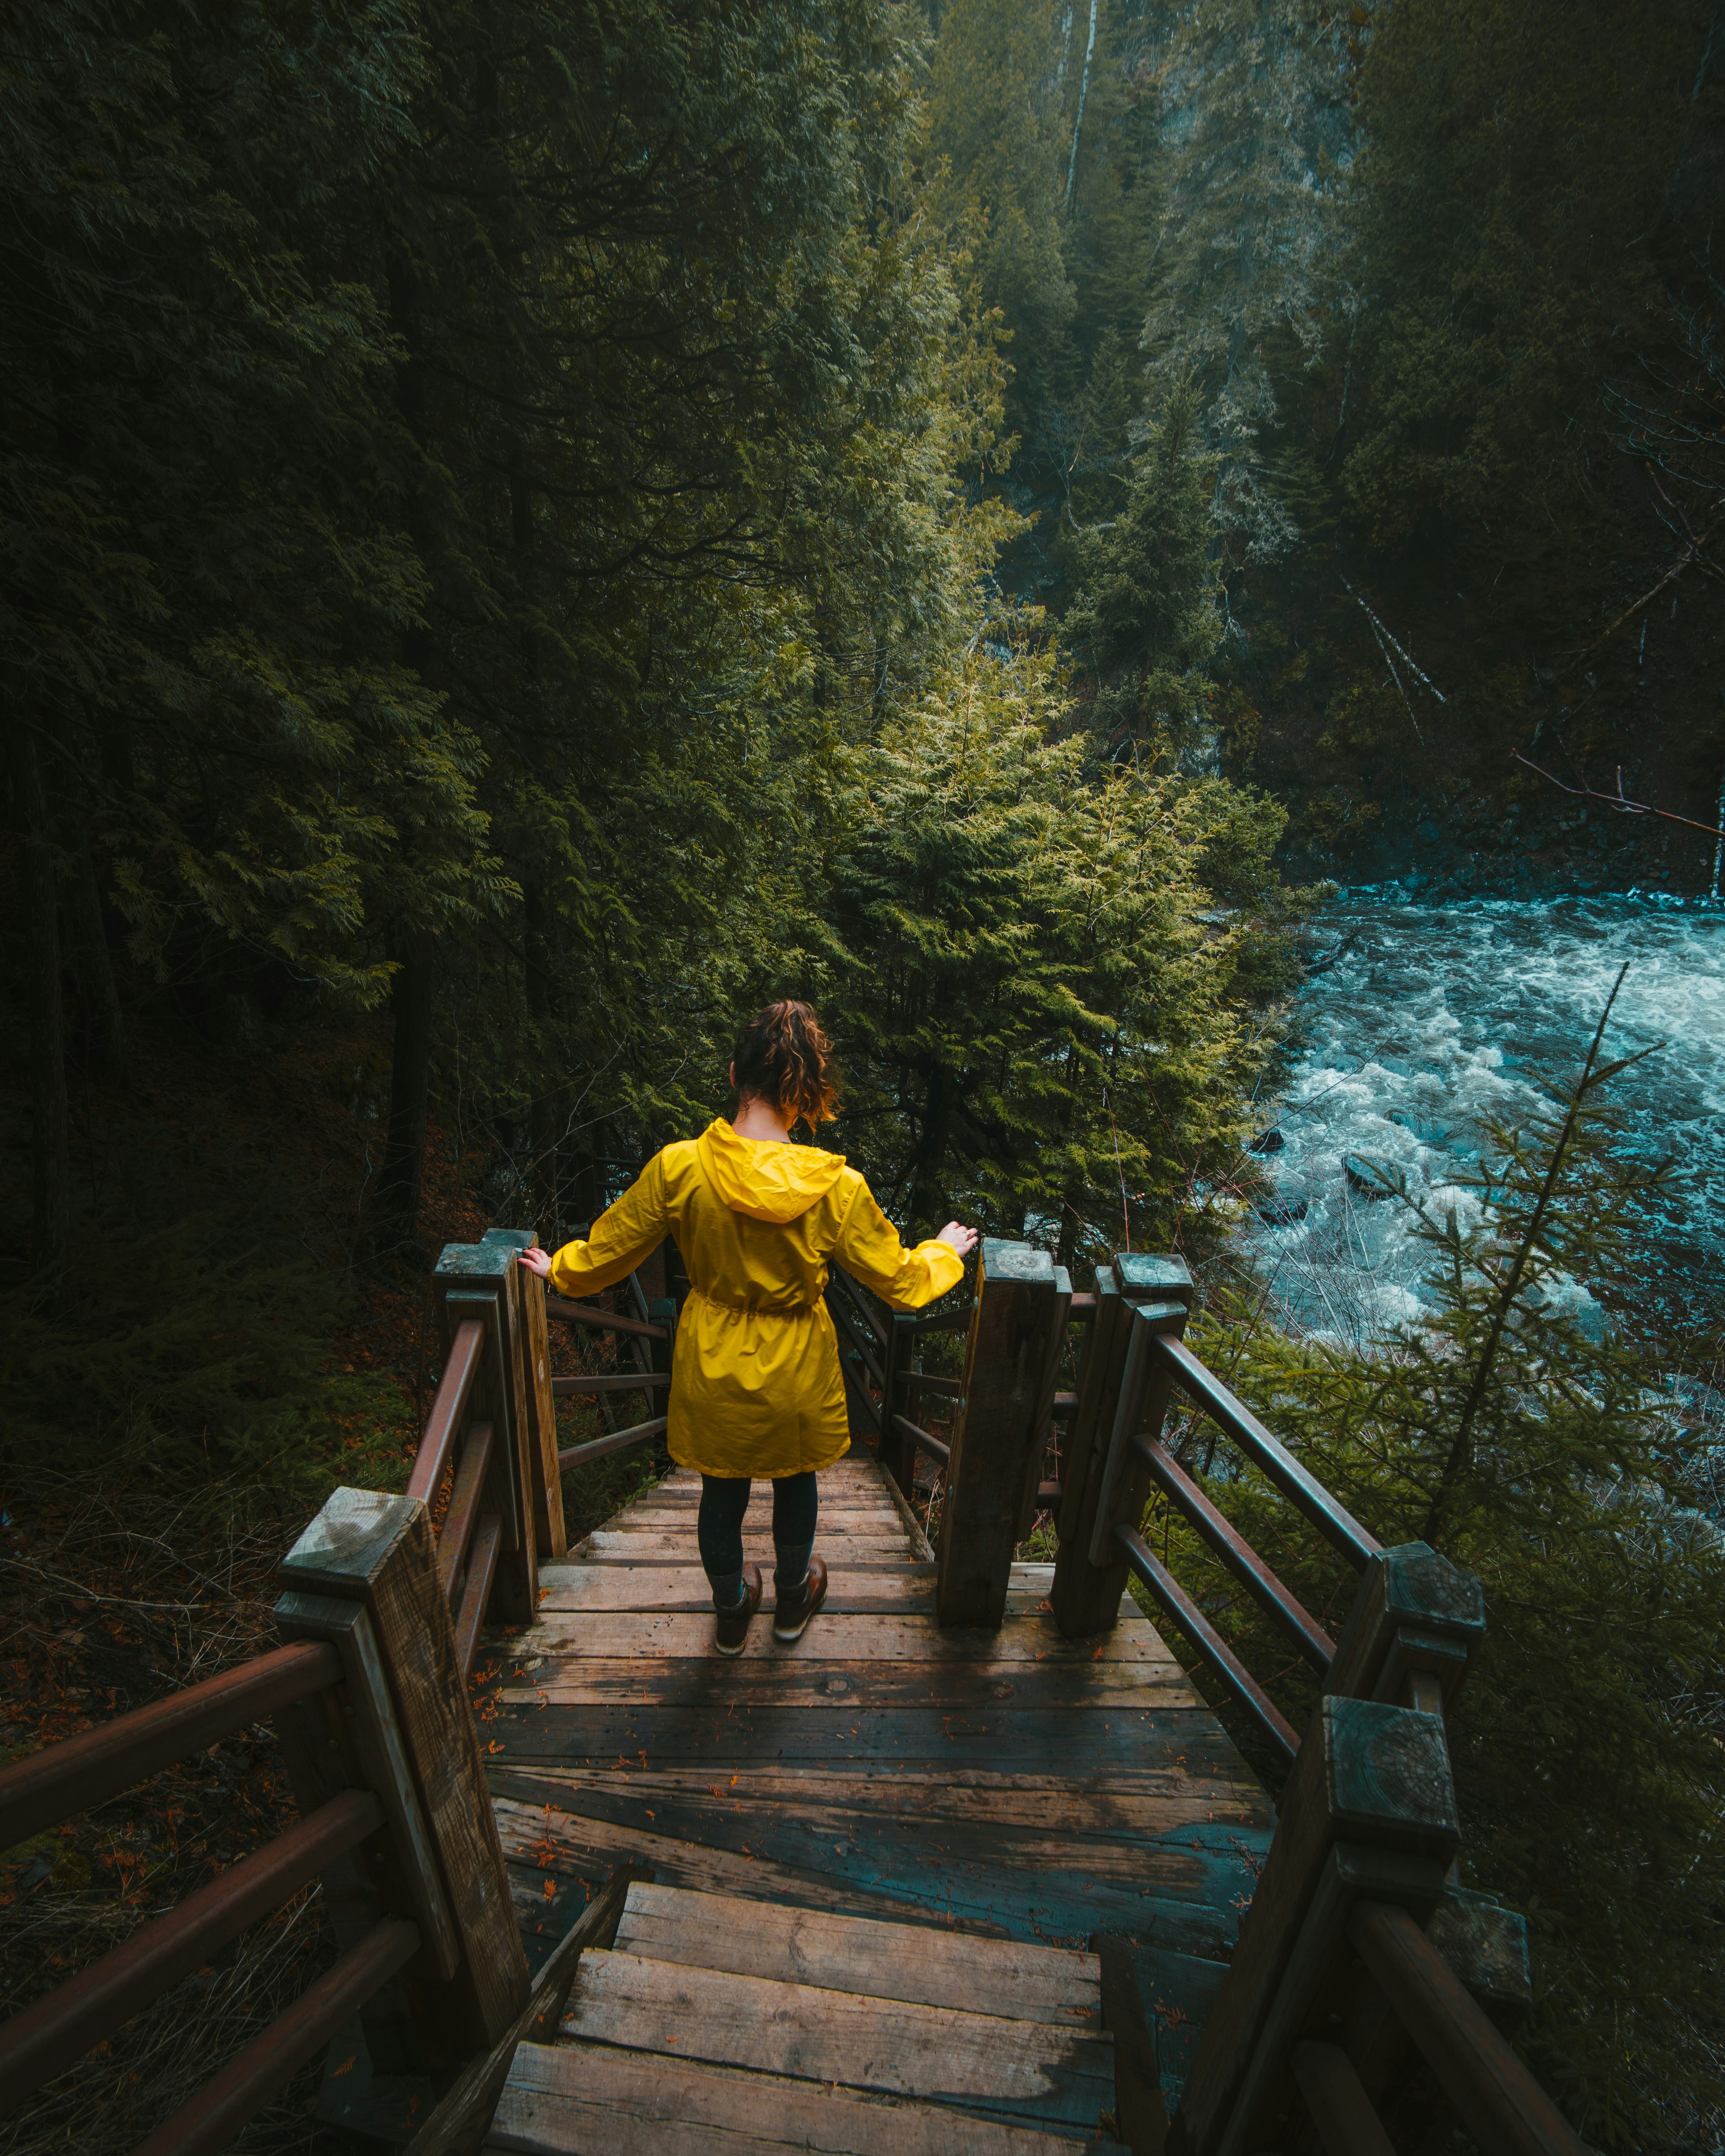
868 1246
622 1236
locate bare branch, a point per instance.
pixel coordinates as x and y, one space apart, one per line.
1619 800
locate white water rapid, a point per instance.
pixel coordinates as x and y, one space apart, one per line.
1432 1016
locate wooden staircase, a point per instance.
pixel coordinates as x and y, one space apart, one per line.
717 2024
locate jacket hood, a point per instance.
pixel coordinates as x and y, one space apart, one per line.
765 1181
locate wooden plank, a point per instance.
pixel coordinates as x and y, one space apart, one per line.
1040 2074
563 2098
1183 1900
1013 1324
364 1546
604 1544
1138 1809
838 1636
1007 1977
1200 1863
1093 1738
826 1688
593 1848
675 1586
541 1419
572 1587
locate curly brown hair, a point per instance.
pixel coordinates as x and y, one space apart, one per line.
783 1056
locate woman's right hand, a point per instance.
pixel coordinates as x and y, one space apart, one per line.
537 1261
962 1238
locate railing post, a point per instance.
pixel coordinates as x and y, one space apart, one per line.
482 1280
1369 1813
369 1556
533 1347
1411 1635
1104 1483
1015 1328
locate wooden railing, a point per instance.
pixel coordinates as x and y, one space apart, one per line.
380 1615
1361 1959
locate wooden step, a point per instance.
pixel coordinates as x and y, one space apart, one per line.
913 1963
673 1546
650 1635
1032 2074
593 2101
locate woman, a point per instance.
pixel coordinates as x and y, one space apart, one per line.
757 1389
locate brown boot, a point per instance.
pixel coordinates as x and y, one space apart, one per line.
792 1612
734 1624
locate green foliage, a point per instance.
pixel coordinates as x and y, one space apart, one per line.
1535 1443
1040 1003
1144 620
195 1362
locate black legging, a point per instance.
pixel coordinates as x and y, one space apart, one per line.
724 1499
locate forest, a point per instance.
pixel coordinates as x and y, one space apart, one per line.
528 530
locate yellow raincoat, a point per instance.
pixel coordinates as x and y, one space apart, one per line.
756 1387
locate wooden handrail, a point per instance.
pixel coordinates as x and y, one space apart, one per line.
216 2114
1332 1520
44 2038
443 1425
86 1770
1500 2102
578 1455
936 1448
600 1321
464 1501
628 1381
1246 1690
1282 1607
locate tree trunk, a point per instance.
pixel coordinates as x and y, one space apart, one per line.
1083 93
396 1212
50 1159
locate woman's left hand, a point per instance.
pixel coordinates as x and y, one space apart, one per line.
537 1261
962 1238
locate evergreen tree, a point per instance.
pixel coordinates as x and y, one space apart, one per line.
1040 1018
1143 621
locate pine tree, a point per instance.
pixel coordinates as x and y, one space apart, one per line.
1143 621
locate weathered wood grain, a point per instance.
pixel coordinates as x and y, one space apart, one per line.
1133 1807
1040 2074
378 1549
641 2104
1007 1977
646 1634
1013 1324
682 1587
590 1680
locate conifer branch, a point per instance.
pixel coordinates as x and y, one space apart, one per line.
1460 1446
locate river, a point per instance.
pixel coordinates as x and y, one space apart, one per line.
1429 1017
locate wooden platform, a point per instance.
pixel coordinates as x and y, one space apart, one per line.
1009 1786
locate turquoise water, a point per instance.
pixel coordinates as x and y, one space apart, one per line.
1434 1015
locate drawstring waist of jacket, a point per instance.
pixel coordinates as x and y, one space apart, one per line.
753 1309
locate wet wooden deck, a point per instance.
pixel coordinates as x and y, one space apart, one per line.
1010 1785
